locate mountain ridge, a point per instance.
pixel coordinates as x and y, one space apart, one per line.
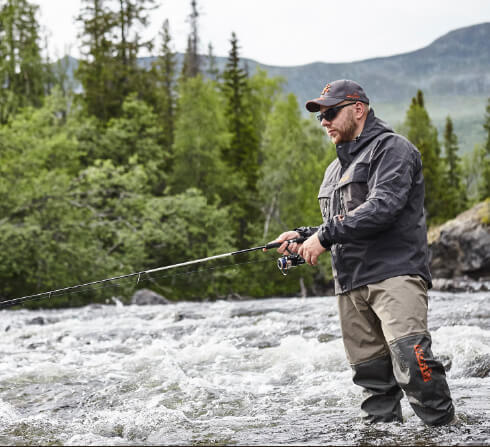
453 72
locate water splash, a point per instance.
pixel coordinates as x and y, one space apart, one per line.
251 372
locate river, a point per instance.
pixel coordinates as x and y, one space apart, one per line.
228 372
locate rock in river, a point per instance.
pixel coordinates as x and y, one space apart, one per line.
144 297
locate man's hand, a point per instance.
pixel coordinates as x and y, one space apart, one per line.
286 236
311 249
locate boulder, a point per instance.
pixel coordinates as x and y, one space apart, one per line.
461 247
145 297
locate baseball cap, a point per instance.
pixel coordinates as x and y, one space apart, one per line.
335 92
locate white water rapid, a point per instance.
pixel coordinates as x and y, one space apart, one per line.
231 373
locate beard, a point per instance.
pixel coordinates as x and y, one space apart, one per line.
346 131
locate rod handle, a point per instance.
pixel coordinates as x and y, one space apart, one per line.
298 240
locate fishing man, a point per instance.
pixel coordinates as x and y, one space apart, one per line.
372 203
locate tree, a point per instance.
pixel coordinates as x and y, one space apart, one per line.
109 70
136 135
192 63
454 193
96 69
242 153
201 135
212 69
23 73
162 95
422 133
485 185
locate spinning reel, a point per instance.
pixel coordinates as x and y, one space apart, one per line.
286 262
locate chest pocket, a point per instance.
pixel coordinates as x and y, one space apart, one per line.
353 187
325 200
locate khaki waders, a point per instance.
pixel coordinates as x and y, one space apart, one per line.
384 328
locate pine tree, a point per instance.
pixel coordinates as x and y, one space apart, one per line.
23 73
485 184
109 70
192 63
454 193
162 94
242 153
422 133
96 69
212 69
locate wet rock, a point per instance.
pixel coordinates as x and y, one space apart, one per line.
237 297
325 338
461 285
479 367
446 361
37 320
145 297
461 246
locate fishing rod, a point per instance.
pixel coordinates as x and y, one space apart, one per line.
284 264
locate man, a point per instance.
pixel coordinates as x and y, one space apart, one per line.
372 202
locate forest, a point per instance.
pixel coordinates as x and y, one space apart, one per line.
149 166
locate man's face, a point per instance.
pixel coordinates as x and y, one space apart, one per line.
343 127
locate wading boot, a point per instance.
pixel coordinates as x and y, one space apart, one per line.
423 379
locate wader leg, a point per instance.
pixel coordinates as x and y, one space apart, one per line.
381 392
370 359
423 379
401 304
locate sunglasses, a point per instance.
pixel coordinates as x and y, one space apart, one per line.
332 112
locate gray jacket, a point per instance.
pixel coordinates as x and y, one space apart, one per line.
372 202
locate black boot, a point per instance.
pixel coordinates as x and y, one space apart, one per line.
422 378
381 393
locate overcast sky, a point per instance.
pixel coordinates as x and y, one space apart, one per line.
291 32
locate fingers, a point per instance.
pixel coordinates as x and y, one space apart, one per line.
284 237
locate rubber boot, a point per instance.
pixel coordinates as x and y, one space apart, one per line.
423 379
381 393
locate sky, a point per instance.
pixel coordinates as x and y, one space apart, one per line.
289 32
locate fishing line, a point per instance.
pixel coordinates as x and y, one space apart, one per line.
284 264
111 284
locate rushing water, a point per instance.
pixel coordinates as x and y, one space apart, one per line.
245 372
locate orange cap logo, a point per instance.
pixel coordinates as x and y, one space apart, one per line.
326 89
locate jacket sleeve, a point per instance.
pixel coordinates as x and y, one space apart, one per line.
306 231
392 169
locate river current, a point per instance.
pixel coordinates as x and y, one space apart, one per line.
263 372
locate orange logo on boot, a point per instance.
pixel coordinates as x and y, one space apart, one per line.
424 369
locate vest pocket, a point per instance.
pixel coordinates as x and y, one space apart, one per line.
353 186
325 201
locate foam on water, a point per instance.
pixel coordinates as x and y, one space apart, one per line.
254 372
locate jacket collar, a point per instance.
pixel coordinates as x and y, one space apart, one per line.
346 152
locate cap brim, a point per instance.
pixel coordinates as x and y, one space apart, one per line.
314 104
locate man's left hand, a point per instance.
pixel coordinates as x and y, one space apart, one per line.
311 249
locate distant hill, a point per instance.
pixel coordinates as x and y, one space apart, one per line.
453 72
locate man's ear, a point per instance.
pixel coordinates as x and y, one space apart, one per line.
360 109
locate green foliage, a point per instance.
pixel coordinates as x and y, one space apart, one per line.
142 170
296 153
109 70
192 61
201 135
420 131
24 75
473 165
242 154
161 81
454 195
485 184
